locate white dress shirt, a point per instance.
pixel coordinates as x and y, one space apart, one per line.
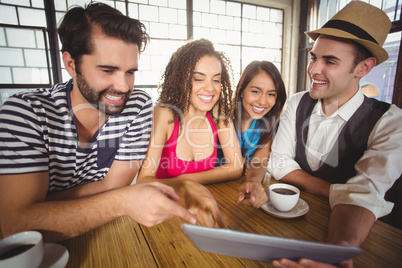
376 171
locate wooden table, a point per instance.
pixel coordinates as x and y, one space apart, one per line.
124 243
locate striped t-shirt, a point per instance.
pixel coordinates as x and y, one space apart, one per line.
38 134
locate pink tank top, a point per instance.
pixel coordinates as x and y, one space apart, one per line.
172 166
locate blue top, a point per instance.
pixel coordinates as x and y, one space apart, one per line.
248 140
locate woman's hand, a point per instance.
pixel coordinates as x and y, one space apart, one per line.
252 194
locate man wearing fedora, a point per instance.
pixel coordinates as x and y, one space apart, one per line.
333 140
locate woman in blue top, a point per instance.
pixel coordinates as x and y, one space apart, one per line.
260 96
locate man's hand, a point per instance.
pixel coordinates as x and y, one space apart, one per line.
252 194
151 203
305 263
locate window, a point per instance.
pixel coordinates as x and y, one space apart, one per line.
24 57
244 30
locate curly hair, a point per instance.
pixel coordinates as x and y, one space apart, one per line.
175 90
269 122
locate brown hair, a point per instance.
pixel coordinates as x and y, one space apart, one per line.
361 54
79 24
269 123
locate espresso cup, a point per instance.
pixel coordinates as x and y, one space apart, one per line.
21 250
283 197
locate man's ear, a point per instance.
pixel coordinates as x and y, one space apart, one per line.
69 64
365 67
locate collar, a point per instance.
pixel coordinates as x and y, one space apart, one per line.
69 88
345 111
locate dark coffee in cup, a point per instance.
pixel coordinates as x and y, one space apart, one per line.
284 191
24 249
15 251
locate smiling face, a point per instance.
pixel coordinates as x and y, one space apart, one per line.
206 84
258 97
330 70
105 78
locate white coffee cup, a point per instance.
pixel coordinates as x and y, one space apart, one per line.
23 249
283 197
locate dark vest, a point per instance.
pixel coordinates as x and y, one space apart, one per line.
350 145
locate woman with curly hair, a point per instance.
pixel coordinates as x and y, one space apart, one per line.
260 96
192 112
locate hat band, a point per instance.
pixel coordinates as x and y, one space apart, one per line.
350 28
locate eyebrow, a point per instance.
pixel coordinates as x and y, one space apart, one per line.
116 68
328 57
200 73
272 90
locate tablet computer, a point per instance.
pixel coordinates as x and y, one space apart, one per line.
263 247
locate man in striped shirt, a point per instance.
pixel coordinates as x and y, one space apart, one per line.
82 142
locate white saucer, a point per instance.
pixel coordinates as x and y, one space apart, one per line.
55 256
300 209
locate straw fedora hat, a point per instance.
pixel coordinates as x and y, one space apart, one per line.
362 23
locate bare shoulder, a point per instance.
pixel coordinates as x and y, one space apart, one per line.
162 115
163 124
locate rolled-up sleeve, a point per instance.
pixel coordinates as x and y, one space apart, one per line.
377 170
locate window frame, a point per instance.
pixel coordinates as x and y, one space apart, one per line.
312 6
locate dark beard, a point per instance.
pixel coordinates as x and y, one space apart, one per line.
95 98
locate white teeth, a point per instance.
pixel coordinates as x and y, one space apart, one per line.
258 109
110 97
205 97
319 82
